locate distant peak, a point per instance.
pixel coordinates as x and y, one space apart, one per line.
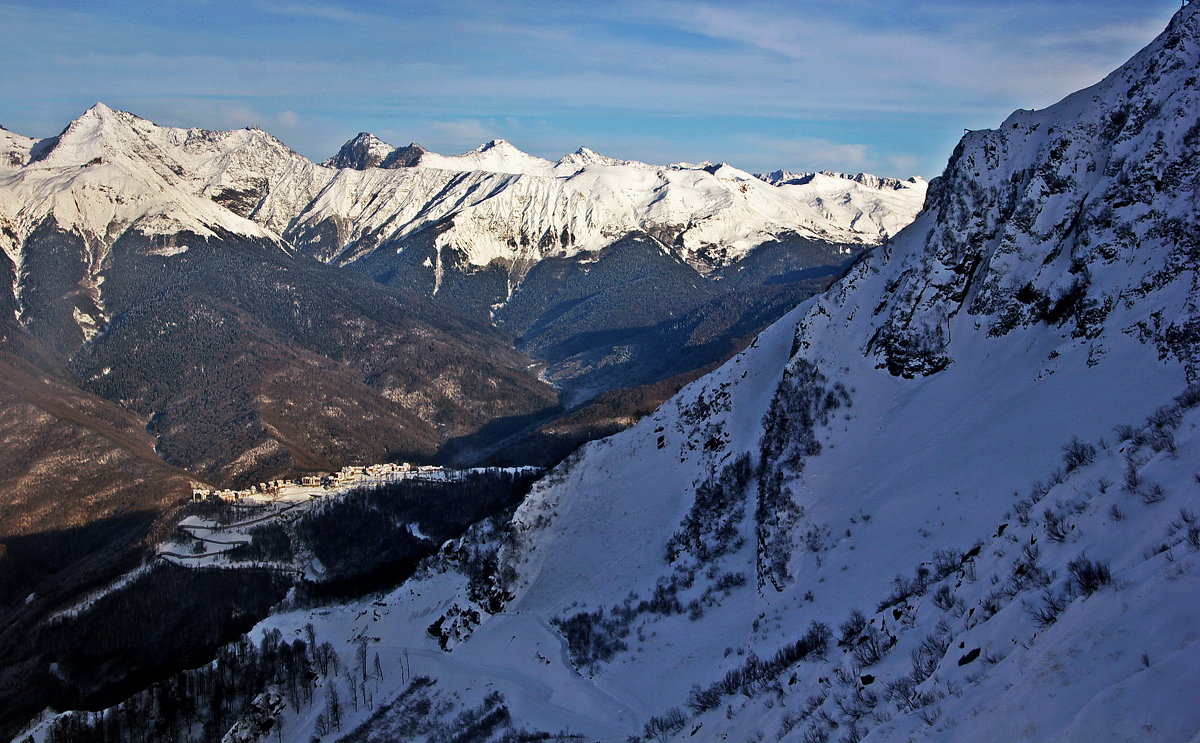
586 156
589 155
364 150
83 140
404 157
102 119
789 178
102 113
495 144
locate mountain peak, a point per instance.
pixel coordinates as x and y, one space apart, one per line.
362 151
585 157
367 138
365 150
876 182
99 108
83 140
408 156
14 149
106 116
494 156
101 113
588 156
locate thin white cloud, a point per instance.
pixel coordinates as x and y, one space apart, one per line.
1099 36
208 113
322 11
903 164
463 131
957 56
476 70
814 150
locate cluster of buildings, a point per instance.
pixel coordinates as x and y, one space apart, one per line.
344 476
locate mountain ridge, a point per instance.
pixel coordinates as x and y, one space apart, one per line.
114 194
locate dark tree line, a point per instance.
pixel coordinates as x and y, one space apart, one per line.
201 704
374 536
805 401
168 618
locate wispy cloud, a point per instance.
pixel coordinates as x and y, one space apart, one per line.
463 130
214 113
814 152
938 59
326 12
900 78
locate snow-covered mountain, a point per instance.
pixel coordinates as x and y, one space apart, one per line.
14 149
110 170
374 193
418 216
509 237
952 498
590 263
134 253
364 151
498 204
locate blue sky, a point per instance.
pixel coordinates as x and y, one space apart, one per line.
878 85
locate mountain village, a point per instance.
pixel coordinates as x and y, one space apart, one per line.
206 540
313 486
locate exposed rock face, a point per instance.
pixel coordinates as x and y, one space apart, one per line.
364 151
1064 216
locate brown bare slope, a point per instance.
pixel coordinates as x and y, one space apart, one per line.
82 492
70 457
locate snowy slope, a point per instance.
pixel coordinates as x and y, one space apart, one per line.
953 498
931 443
14 149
